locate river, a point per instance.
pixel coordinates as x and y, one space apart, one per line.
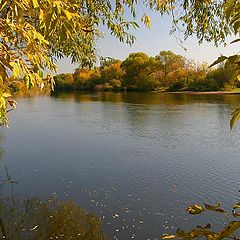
136 160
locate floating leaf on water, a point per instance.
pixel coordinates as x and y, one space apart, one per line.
167 236
207 226
195 209
34 228
236 205
195 233
212 207
215 207
220 210
235 214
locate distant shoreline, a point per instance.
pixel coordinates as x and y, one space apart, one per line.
200 93
158 91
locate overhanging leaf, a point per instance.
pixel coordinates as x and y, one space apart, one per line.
6 95
219 60
235 117
231 228
236 40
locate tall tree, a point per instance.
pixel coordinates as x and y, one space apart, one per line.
170 62
138 67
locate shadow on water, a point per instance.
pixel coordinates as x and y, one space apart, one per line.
35 219
32 218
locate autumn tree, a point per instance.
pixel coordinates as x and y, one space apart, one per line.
138 68
170 62
113 74
33 33
86 79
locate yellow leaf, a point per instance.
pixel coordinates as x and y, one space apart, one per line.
231 228
16 70
68 14
166 236
35 3
3 5
6 95
146 20
235 117
41 16
195 209
236 205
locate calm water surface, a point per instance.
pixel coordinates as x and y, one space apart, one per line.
136 160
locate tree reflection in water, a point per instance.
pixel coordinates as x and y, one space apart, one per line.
32 219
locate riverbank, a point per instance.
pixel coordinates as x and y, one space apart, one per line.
199 93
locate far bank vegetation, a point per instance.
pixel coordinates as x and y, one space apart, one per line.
139 72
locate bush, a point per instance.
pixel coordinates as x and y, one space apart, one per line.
64 82
116 84
103 87
177 86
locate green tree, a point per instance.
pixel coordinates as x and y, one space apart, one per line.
170 62
133 65
107 61
138 68
112 71
64 81
86 79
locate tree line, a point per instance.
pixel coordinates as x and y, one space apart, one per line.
166 71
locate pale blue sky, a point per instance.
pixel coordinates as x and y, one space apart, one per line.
152 42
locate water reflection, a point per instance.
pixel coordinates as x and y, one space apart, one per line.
137 160
32 218
35 219
51 219
167 99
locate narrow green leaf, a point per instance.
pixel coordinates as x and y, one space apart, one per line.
35 3
236 40
219 60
